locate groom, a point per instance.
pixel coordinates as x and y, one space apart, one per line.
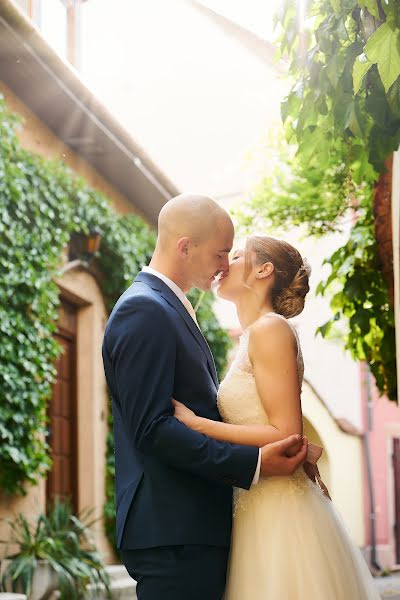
174 485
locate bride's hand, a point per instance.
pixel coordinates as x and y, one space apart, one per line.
184 414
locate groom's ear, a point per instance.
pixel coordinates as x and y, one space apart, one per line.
265 270
183 246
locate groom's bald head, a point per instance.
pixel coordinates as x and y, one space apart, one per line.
195 236
194 216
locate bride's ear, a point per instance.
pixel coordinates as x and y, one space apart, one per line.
265 270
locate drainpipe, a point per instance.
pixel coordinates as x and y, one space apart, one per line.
370 483
396 256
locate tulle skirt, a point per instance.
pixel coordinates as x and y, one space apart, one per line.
289 543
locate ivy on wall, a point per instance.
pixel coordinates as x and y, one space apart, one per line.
42 204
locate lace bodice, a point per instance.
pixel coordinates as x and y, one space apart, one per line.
238 399
240 404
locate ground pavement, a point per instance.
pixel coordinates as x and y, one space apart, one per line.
389 587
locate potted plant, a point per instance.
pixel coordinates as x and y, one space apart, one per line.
56 553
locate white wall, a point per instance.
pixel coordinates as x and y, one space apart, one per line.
255 15
196 99
24 4
202 105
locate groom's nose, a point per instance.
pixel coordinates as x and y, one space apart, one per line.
225 266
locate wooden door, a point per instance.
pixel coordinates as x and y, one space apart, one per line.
62 479
396 478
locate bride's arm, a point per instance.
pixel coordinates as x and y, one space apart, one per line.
273 353
248 435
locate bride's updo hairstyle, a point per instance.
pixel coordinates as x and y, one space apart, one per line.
291 272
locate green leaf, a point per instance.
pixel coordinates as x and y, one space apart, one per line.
336 6
325 328
354 119
382 48
371 6
360 68
393 98
391 10
332 71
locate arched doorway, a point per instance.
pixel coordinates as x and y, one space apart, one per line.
81 325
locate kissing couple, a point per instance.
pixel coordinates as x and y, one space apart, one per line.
215 494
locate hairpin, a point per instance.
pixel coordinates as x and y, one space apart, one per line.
306 267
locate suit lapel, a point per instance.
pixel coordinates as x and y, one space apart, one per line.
174 301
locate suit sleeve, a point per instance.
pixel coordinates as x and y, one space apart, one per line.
141 344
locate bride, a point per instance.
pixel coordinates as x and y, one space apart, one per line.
288 542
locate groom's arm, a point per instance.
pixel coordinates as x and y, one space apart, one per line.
141 344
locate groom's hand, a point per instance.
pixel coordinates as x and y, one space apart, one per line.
275 459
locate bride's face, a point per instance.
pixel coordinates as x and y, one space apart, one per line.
233 284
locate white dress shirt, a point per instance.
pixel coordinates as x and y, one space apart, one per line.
186 303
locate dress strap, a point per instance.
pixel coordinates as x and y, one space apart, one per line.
271 312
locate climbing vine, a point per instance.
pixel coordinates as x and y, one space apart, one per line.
43 204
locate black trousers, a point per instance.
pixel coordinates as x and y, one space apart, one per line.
178 572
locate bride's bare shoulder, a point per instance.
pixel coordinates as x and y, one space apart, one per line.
269 333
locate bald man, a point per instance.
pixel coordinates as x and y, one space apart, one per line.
174 485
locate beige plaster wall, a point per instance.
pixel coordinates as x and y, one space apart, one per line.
35 136
31 504
341 465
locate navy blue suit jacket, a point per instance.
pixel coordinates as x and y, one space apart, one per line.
173 485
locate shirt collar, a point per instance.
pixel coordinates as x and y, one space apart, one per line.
171 284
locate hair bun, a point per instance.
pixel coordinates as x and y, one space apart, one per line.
291 272
290 302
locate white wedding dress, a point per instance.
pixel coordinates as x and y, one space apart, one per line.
288 541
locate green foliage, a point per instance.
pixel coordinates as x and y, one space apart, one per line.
35 212
345 99
109 509
41 206
359 295
383 50
290 196
342 121
64 541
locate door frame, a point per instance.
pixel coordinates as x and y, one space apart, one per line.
396 501
392 431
